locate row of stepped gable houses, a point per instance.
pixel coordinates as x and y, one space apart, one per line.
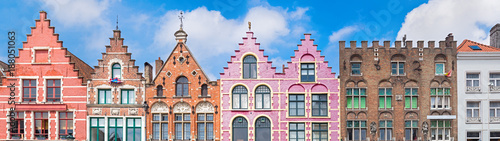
403 92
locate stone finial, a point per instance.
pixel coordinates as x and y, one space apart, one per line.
249 25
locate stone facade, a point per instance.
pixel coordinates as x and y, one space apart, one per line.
119 102
386 92
50 87
184 102
256 100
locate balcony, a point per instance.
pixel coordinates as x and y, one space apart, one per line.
494 119
473 120
473 89
494 88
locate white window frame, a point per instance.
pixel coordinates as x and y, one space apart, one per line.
435 68
397 68
445 99
473 80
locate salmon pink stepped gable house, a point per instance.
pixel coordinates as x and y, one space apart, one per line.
258 104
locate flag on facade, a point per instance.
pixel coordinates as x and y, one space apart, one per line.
448 74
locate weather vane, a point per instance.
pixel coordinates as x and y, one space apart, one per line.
181 17
249 25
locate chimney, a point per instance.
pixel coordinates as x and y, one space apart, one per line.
158 64
148 72
449 40
495 36
180 36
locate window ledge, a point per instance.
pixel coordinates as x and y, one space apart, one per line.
45 63
356 109
242 110
181 97
386 109
159 97
357 74
398 74
412 109
208 96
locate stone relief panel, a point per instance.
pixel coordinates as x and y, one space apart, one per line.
133 111
205 107
182 108
97 111
115 111
159 107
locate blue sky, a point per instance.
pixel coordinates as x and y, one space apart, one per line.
215 27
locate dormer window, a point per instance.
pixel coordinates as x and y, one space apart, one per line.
116 71
250 67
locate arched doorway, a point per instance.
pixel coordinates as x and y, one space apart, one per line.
240 129
263 129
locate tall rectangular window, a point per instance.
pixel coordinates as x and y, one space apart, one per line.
18 132
29 90
356 130
494 136
205 126
440 130
398 68
355 68
297 132
115 129
385 130
411 98
41 125
411 130
182 126
319 105
385 98
495 111
494 79
65 124
104 96
439 68
296 105
320 132
440 98
356 98
307 72
97 129
128 97
473 136
472 109
472 80
133 129
53 90
160 126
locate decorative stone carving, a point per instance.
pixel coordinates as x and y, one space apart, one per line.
159 107
474 119
494 88
473 89
182 108
133 111
115 112
97 111
205 107
373 128
425 128
494 119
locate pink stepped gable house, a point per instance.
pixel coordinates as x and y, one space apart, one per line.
258 104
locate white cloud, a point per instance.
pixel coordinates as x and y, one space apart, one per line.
278 62
78 12
464 18
341 34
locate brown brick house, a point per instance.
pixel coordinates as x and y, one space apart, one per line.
398 93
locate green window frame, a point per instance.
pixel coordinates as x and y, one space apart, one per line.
297 131
240 97
116 71
97 126
356 130
249 67
385 130
133 129
115 129
320 132
385 98
104 96
128 96
262 97
319 105
411 98
440 130
356 98
296 105
307 73
411 130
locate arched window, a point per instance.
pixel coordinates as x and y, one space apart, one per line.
159 90
263 129
116 71
204 90
182 86
263 97
249 67
240 129
240 99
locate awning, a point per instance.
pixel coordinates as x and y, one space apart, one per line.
441 117
40 107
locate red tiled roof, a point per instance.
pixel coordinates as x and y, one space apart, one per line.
464 47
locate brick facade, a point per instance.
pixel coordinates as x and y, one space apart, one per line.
55 79
126 99
168 94
375 77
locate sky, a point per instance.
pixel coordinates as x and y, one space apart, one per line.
215 27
